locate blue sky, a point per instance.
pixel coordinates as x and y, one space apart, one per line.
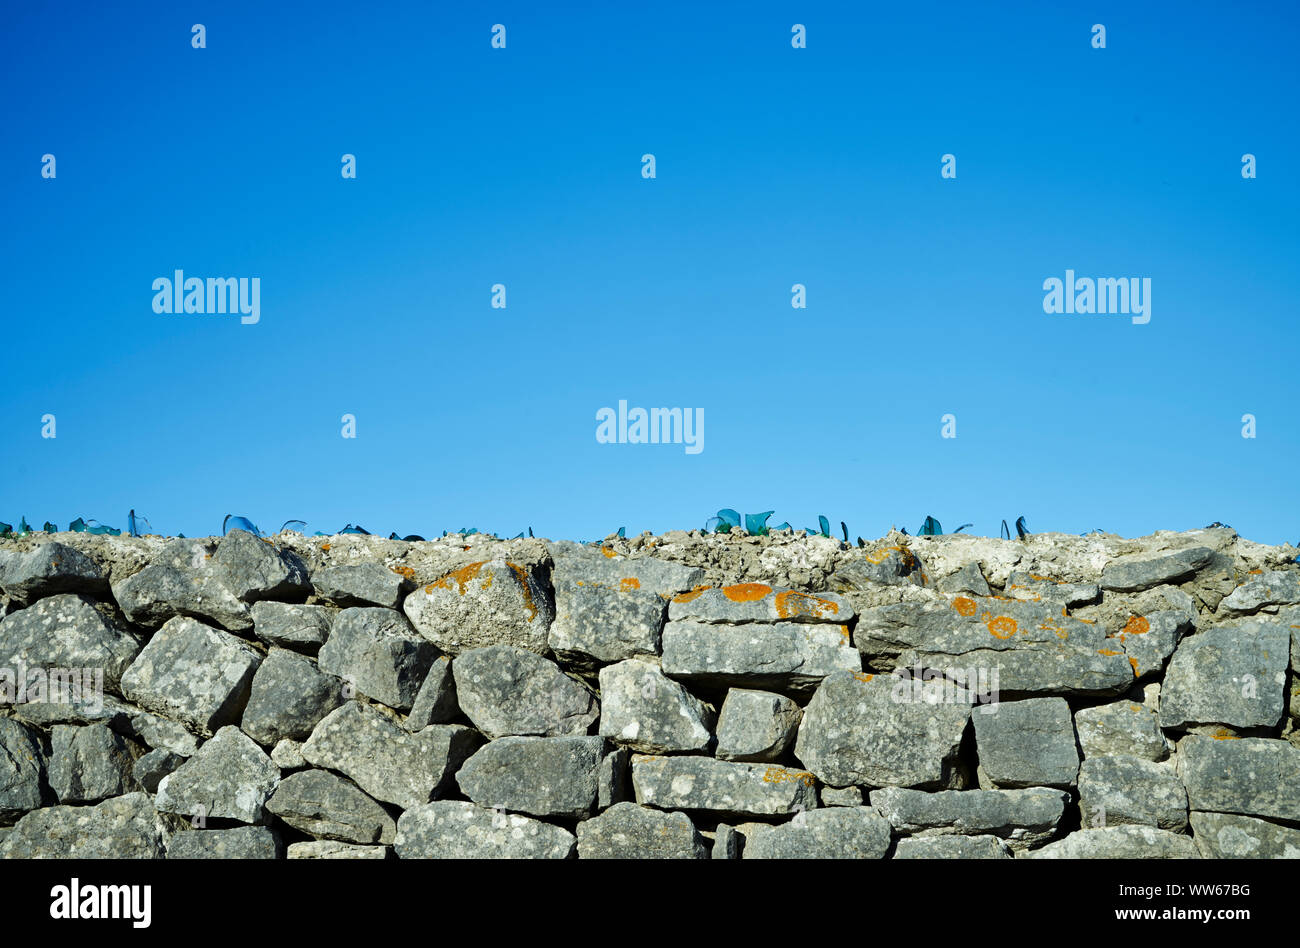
774 166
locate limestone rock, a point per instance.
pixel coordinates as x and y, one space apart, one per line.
1027 743
629 831
646 712
452 829
721 787
756 725
509 691
540 776
326 805
380 653
229 778
500 602
835 833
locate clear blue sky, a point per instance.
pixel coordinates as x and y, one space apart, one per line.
775 166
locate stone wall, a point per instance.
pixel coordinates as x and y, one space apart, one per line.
687 696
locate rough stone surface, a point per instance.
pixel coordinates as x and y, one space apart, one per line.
835 833
506 690
540 776
288 698
150 769
1232 675
435 702
125 827
47 570
452 829
378 651
1273 588
721 787
1130 574
22 770
88 764
1121 727
952 847
292 625
1118 789
500 602
1119 842
65 631
629 831
365 584
242 842
1023 818
1248 776
794 656
331 807
597 624
647 712
1027 744
1225 836
229 778
756 725
331 849
254 569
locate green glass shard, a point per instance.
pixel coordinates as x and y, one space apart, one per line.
239 523
1021 530
756 524
963 527
930 528
824 524
50 528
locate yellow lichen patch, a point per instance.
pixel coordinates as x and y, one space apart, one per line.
405 572
844 633
611 554
964 605
746 592
876 557
461 577
1108 652
863 677
781 775
522 576
1134 662
1222 735
693 594
792 604
629 583
1254 572
325 547
1002 627
1137 625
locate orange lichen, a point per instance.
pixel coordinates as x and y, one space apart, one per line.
693 594
325 547
1108 651
522 576
746 592
1137 625
792 604
876 557
611 554
1002 627
964 605
405 572
629 583
781 775
860 676
461 577
1222 735
844 632
1134 662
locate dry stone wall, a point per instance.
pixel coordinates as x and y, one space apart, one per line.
676 696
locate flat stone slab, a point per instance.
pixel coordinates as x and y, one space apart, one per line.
647 712
1023 818
794 656
453 829
1027 743
539 776
1264 590
242 842
509 691
497 602
758 602
1135 573
363 584
1232 675
1121 727
721 787
1119 842
1251 776
125 827
1116 790
629 831
332 849
834 833
1227 836
952 847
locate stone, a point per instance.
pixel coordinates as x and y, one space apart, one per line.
1119 842
150 768
1231 675
1121 727
756 725
600 624
160 733
952 847
193 673
435 702
510 691
721 787
835 833
181 581
47 570
539 776
854 731
1265 590
380 653
792 656
1117 789
88 764
365 584
1027 743
1134 573
887 565
384 759
332 849
287 755
65 632
22 770
86 706
842 796
292 625
242 842
1226 836
125 827
647 712
328 806
629 831
230 777
604 568
1023 818
254 569
484 604
727 843
288 698
1032 586
1251 776
968 579
758 602
453 829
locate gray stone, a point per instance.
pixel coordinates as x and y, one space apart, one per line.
510 691
292 625
1023 818
1116 790
952 847
1032 586
384 759
87 706
792 656
1119 842
597 624
1273 588
842 796
160 733
836 833
1229 675
22 770
887 565
254 569
452 829
287 755
153 766
968 579
88 764
1134 573
721 787
758 602
181 581
289 697
1226 836
323 804
727 843
380 653
605 568
629 831
229 778
756 725
435 702
66 632
332 849
365 584
854 731
647 712
488 603
1251 776
242 842
125 827
47 570
193 673
540 776
1027 744
1121 727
